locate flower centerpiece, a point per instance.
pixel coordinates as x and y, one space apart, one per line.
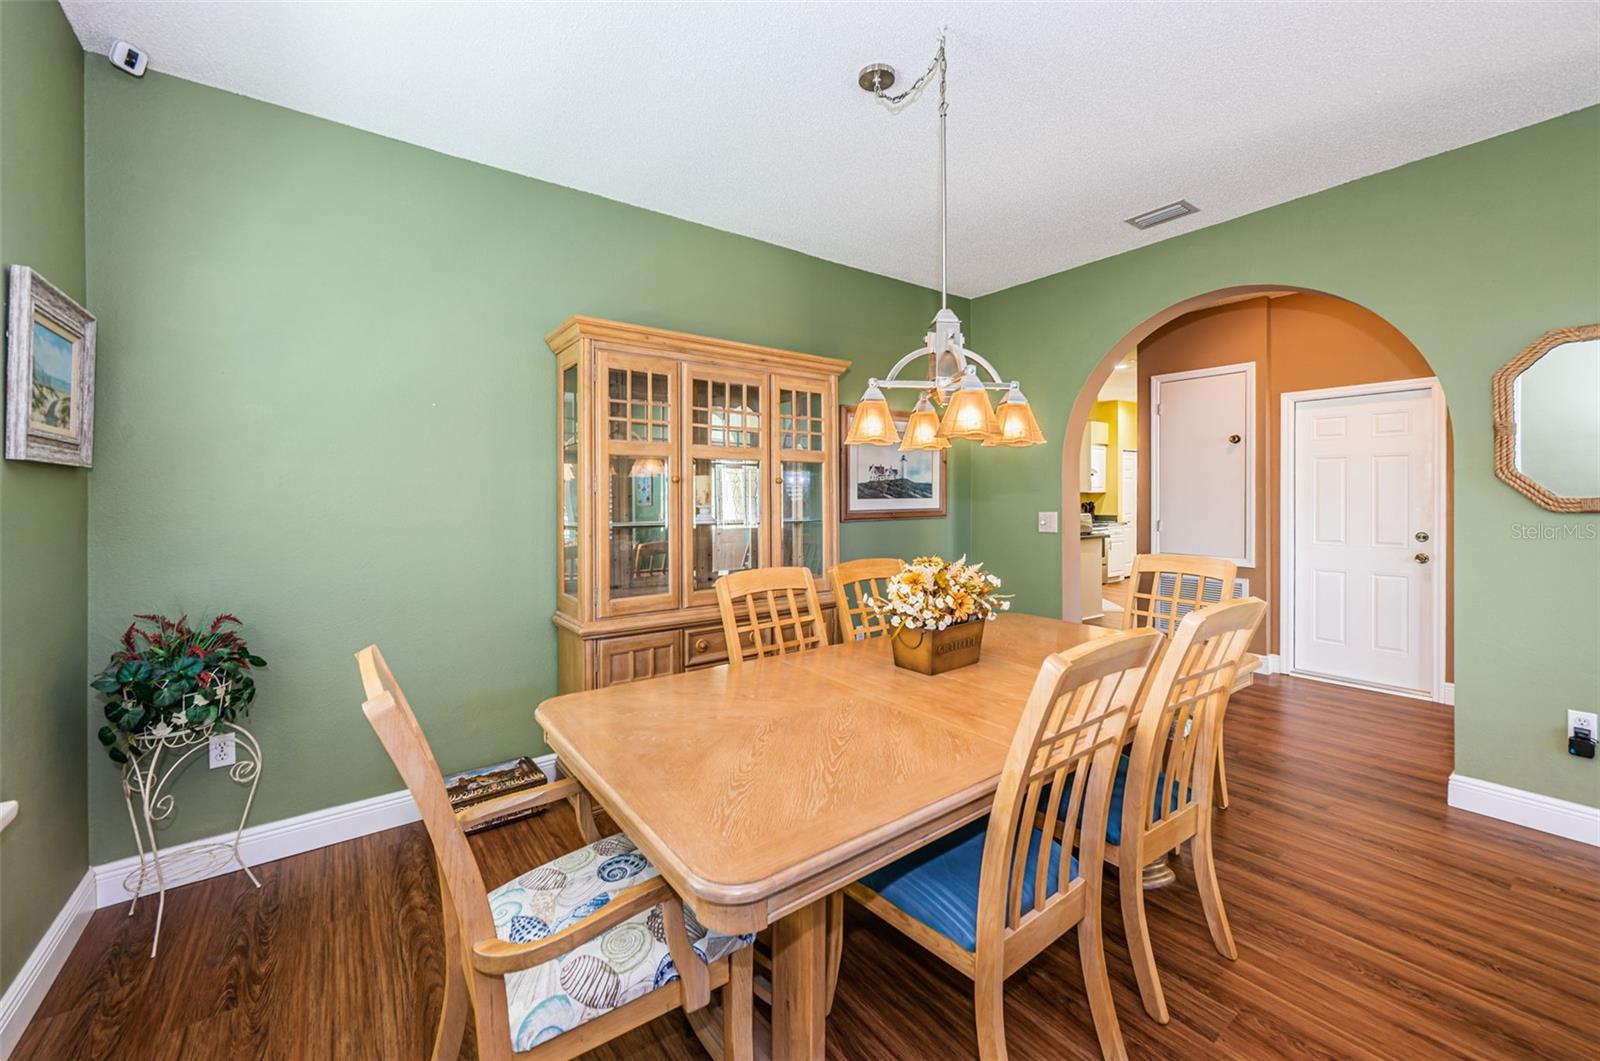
936 611
171 679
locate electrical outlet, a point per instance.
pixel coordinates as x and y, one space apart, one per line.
222 750
1049 523
1582 719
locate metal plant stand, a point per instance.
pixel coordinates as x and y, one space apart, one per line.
145 778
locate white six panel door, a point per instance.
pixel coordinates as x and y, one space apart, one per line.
1367 536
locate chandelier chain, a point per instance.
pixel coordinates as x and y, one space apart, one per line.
939 66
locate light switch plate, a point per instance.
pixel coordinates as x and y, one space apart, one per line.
1585 719
1049 523
222 750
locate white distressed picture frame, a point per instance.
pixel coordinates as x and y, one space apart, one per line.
32 298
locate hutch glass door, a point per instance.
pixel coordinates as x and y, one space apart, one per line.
569 479
637 460
725 452
803 441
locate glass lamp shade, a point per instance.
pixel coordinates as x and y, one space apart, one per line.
647 467
874 423
969 414
1016 425
922 430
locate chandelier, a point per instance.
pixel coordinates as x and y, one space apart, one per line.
953 379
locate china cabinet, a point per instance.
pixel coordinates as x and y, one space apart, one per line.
682 458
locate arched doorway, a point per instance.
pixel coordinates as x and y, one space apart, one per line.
1318 353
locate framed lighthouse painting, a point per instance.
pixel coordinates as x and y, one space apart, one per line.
881 482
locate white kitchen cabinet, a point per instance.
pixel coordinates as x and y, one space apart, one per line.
1119 551
1097 469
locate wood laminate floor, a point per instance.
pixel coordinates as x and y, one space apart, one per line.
1372 922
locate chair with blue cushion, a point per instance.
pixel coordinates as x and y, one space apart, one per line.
1161 797
990 896
1162 589
570 954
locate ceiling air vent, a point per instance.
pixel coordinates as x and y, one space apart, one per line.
1162 214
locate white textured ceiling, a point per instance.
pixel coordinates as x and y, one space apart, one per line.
1064 118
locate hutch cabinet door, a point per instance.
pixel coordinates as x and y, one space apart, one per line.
631 659
725 506
574 472
639 477
804 473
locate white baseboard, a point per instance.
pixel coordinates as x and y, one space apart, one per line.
1575 821
1271 664
22 999
280 839
1448 697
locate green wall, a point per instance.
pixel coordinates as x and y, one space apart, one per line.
43 507
1472 254
325 403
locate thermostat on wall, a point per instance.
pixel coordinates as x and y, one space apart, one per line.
128 58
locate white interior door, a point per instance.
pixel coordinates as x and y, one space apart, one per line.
1368 538
1202 463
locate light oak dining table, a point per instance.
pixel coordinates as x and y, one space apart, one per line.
759 794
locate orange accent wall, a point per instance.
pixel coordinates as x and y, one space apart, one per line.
1297 342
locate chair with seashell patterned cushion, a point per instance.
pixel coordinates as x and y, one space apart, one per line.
621 964
572 953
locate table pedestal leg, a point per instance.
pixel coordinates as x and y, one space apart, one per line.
1158 874
799 984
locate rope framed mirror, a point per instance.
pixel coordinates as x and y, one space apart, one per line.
1547 420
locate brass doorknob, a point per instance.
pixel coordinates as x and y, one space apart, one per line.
1421 558
1235 439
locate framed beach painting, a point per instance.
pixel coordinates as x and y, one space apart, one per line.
49 373
880 482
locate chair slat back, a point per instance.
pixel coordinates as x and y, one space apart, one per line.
855 584
775 606
1173 758
1057 779
650 558
1164 587
390 714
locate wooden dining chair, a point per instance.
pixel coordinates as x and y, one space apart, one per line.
1161 797
570 954
1163 588
991 895
769 611
855 584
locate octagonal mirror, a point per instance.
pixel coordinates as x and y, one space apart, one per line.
1547 420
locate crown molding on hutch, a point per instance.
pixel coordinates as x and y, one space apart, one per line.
661 339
